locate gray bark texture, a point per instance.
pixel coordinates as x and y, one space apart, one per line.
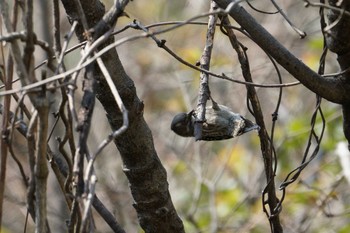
146 175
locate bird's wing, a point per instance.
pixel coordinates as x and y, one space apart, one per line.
215 132
221 123
216 126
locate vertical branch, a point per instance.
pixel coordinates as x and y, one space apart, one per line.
15 49
88 203
84 123
83 127
141 165
313 135
25 72
204 92
41 102
266 147
29 46
31 161
56 28
6 77
337 36
3 142
41 169
66 120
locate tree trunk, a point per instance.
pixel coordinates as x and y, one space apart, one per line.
147 176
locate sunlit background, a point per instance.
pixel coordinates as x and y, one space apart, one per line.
215 186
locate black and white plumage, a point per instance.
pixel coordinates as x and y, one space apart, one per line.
220 123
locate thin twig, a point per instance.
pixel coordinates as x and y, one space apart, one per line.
128 39
120 104
327 6
283 56
107 215
301 33
265 141
88 202
15 49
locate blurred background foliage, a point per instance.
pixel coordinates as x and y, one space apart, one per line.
215 186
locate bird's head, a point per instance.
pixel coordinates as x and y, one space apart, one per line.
182 124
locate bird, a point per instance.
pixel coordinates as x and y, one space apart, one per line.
220 124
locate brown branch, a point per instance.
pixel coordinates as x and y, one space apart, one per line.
109 20
338 41
6 145
57 163
107 216
57 26
265 142
333 89
29 46
162 44
83 127
41 169
25 72
15 49
204 92
142 166
31 161
3 142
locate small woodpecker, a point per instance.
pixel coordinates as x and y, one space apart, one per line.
220 123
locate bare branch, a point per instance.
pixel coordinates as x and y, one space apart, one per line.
140 162
297 30
334 90
41 169
265 142
107 216
204 92
15 49
328 6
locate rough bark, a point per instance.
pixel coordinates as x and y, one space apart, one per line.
338 31
147 176
337 35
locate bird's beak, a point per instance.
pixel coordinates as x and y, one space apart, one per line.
249 126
